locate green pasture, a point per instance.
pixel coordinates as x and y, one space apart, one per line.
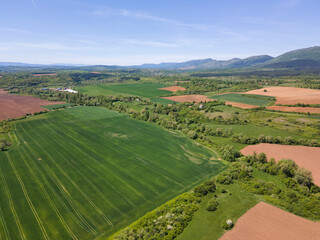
148 90
206 225
254 131
51 107
244 98
86 172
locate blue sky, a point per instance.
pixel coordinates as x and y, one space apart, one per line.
126 32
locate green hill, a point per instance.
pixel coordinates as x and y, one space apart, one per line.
312 53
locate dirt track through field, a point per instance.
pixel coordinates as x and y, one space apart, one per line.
266 222
306 157
13 106
173 88
290 95
203 98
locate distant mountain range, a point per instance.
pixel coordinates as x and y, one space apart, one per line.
301 58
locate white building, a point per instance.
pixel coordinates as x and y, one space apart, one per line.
70 90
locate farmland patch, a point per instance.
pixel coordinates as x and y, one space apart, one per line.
76 174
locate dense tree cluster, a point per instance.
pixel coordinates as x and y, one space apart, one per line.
200 85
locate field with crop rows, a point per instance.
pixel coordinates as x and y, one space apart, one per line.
149 90
246 99
85 172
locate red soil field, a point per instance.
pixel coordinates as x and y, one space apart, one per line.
266 222
173 88
240 105
295 109
306 157
202 98
13 106
290 95
45 74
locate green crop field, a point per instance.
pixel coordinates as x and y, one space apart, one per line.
86 172
244 98
149 90
51 107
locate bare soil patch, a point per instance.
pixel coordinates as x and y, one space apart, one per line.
306 157
241 105
266 222
173 88
13 106
290 95
295 109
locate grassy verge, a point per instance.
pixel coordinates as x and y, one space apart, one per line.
233 204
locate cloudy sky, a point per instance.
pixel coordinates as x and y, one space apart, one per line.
126 32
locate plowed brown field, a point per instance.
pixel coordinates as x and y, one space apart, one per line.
290 95
173 88
295 109
266 222
306 157
13 106
241 105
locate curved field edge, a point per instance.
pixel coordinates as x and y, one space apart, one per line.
257 222
86 172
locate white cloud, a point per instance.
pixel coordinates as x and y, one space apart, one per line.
14 30
147 16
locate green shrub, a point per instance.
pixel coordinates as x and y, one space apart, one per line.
212 205
225 225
